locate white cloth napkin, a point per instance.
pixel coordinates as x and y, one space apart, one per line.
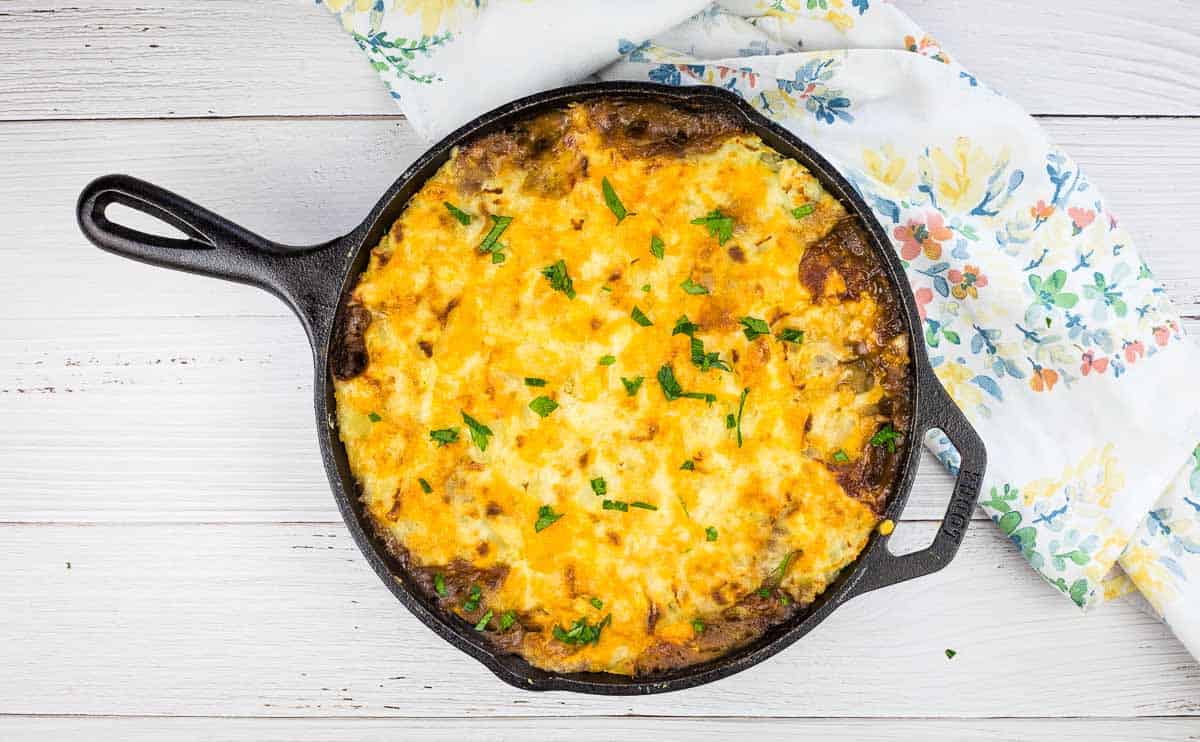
1040 318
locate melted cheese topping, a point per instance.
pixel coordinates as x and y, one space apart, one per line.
451 332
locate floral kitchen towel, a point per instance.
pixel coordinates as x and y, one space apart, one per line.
1039 316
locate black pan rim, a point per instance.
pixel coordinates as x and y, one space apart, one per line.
315 281
457 631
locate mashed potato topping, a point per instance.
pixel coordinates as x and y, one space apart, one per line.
631 387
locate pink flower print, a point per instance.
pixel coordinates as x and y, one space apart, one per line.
1092 363
923 297
926 47
923 236
1134 351
966 282
1162 335
1080 218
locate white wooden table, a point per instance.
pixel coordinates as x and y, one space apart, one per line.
171 561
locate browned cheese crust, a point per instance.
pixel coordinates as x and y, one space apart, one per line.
623 387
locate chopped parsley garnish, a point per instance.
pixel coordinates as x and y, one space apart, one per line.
886 436
581 632
640 317
613 201
615 505
754 327
684 326
790 335
645 288
730 421
632 385
840 457
688 465
950 654
546 518
697 626
426 487
374 417
507 619
672 390
473 597
710 533
804 210
479 431
439 585
606 288
643 505
607 360
741 409
780 572
597 604
444 436
534 381
705 361
599 486
463 217
543 406
691 287
491 241
657 247
717 224
483 622
497 255
559 280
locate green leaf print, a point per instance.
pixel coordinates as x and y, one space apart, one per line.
1026 538
1050 292
399 53
1078 591
1079 557
999 501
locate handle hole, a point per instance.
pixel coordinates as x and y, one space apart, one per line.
930 497
130 218
911 536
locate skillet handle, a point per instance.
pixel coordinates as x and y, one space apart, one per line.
883 567
304 277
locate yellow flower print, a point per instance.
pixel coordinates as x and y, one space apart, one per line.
347 10
360 6
960 176
956 377
789 10
1117 585
840 21
889 169
1093 479
1152 578
436 15
1103 558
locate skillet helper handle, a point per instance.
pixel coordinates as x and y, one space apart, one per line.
213 246
886 568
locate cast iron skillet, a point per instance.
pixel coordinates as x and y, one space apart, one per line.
316 281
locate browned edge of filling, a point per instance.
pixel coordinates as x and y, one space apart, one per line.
544 147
